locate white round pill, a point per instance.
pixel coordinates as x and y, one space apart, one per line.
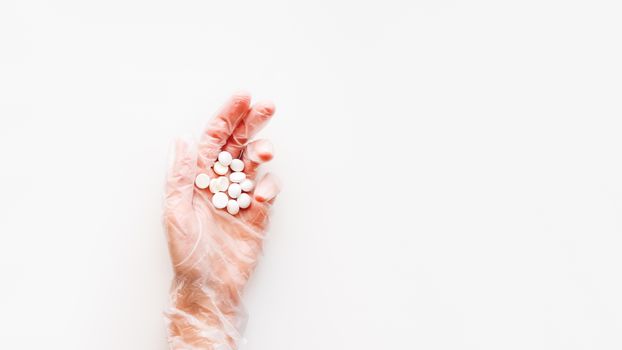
237 176
220 169
244 201
247 185
213 185
234 190
224 158
220 200
202 181
223 183
233 207
237 165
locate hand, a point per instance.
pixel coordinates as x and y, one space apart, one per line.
213 252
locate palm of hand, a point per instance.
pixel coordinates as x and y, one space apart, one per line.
207 245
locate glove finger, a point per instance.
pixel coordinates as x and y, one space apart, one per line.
265 193
249 126
220 127
256 153
267 188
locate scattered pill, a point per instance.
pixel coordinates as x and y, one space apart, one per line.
247 185
223 183
234 190
237 176
233 207
202 181
220 200
213 185
224 158
237 165
220 169
229 187
244 200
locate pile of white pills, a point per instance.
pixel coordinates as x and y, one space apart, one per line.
229 191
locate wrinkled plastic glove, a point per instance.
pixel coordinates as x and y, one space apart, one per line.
213 252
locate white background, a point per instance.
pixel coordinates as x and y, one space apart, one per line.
452 169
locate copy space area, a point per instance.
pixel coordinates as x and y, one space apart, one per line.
452 170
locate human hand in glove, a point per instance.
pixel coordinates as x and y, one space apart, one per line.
213 252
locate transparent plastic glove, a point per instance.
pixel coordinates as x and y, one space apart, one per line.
213 252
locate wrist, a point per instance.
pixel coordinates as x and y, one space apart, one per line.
203 314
